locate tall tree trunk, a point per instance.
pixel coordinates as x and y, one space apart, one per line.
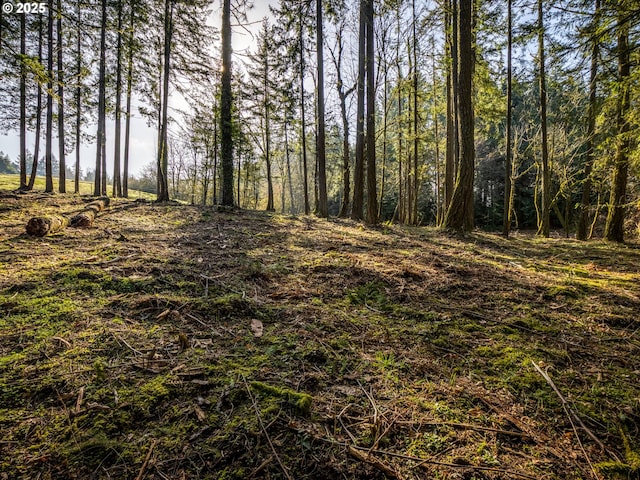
459 216
286 149
437 138
406 216
62 174
544 227
163 153
100 137
346 158
117 179
127 124
451 154
508 186
385 120
215 155
267 156
358 174
455 79
401 193
76 180
305 176
36 148
372 196
322 208
614 228
583 222
416 180
49 127
226 132
267 132
23 103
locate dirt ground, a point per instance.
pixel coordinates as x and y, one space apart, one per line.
178 342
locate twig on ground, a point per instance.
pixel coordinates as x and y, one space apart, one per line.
264 430
469 426
146 460
371 460
424 462
119 339
572 415
79 400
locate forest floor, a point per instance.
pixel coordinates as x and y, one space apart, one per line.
176 342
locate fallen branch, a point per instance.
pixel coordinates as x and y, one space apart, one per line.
371 460
572 415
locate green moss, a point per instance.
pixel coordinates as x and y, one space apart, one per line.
151 393
100 371
427 444
300 401
618 470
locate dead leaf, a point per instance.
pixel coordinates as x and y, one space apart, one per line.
256 328
200 413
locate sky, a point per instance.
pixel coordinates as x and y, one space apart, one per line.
142 150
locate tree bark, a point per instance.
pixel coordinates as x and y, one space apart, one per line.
358 174
459 216
163 153
614 228
267 125
49 127
346 158
583 222
506 216
23 103
544 227
62 174
36 148
47 225
451 153
76 182
292 208
86 217
305 176
41 226
322 208
372 196
414 207
100 136
127 125
117 179
226 132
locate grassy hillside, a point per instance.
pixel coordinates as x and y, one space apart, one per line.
12 182
180 342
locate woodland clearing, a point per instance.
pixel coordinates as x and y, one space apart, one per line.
169 341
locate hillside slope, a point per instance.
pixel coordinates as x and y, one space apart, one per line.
180 342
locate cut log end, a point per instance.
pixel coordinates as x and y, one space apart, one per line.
41 226
83 219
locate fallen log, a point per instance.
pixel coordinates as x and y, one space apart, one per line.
41 226
86 217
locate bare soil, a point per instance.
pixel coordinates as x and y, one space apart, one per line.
177 342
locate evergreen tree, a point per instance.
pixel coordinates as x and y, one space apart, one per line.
226 99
